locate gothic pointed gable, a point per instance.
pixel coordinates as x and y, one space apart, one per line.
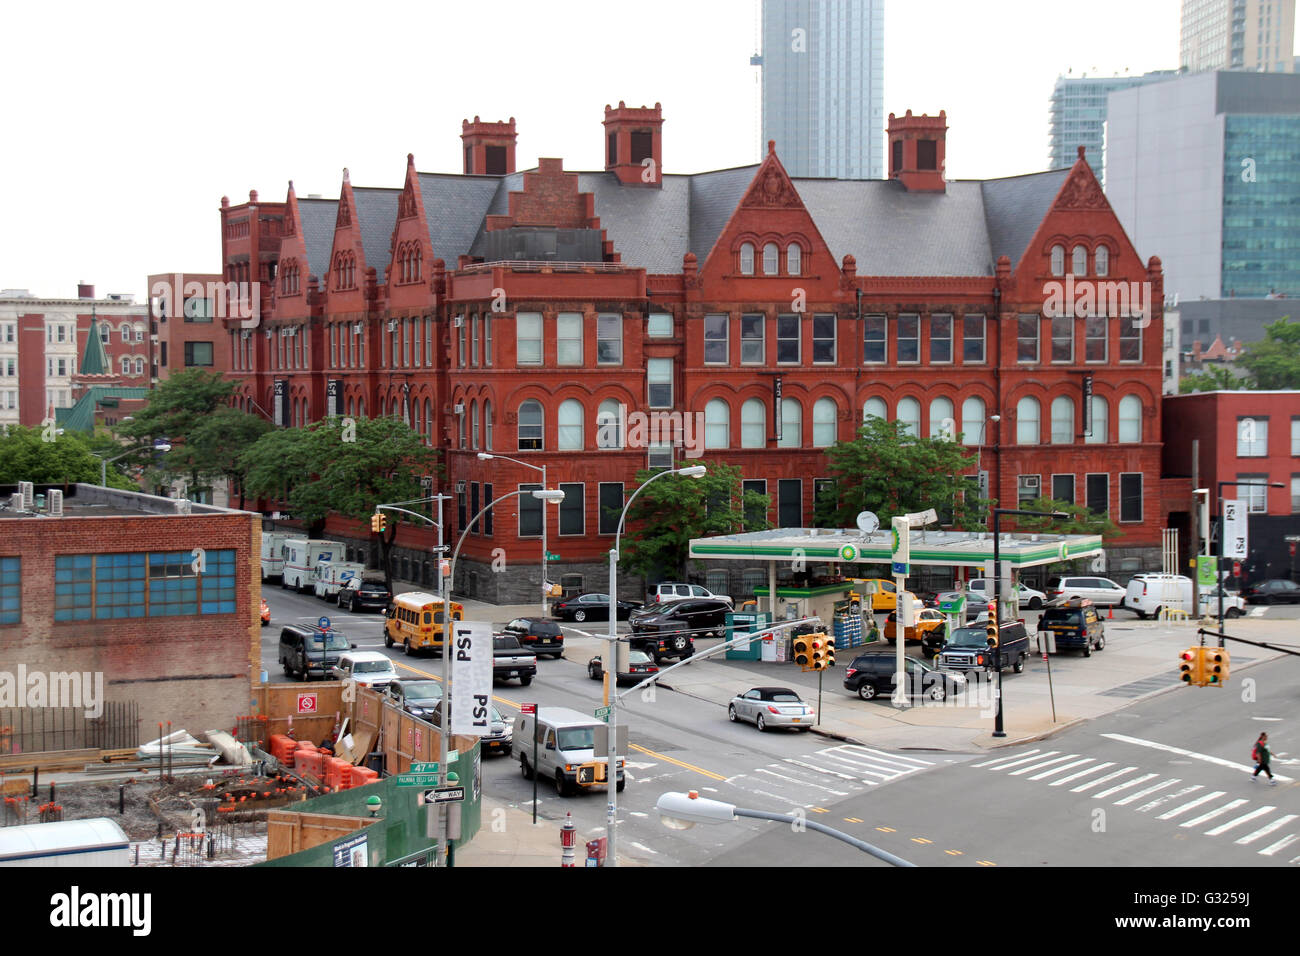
1081 190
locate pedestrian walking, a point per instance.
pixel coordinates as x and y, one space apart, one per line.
1261 756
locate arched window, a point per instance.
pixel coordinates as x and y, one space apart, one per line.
487 426
1062 420
461 441
609 425
125 363
909 413
1130 419
825 416
1079 263
361 408
791 424
771 259
1058 260
105 334
139 366
418 429
530 426
794 259
973 424
569 431
139 333
874 408
753 424
126 333
1100 422
942 425
747 258
428 419
1027 421
349 407
1101 261
717 424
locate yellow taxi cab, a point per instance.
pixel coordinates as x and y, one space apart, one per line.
885 596
927 620
415 620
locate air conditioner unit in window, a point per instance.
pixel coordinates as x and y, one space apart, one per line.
356 329
392 325
460 487
269 333
458 321
458 409
1030 482
243 335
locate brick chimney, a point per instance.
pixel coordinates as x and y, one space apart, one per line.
85 290
916 151
489 147
634 144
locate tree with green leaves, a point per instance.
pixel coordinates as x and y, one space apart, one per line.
675 509
888 471
217 442
1079 519
66 459
1211 378
1274 363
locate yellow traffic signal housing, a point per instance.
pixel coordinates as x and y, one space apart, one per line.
378 522
1189 666
1215 666
992 631
828 660
802 647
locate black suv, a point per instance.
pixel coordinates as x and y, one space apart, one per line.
1076 625
670 630
368 591
537 635
968 649
309 652
875 675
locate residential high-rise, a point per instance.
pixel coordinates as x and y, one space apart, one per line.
1078 116
823 86
1202 168
1256 35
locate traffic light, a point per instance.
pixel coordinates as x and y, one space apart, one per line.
829 659
992 631
819 651
803 650
378 522
1215 666
1190 666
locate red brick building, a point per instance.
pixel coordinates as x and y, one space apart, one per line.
516 312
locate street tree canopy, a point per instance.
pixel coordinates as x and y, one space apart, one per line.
1212 378
1274 363
1078 520
67 459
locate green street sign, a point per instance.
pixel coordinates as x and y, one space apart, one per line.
424 767
552 556
417 780
603 713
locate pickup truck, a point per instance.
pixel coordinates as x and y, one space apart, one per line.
968 649
510 660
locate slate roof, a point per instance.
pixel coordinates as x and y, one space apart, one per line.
1015 207
377 215
81 416
455 207
316 223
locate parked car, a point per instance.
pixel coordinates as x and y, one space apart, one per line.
875 675
308 652
639 667
885 596
1100 591
968 649
1276 591
510 660
670 631
266 613
675 591
537 635
1233 604
1075 626
367 668
766 707
364 592
927 620
593 607
500 735
981 590
419 698
1148 594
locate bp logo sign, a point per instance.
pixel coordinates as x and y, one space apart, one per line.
848 553
1065 551
894 542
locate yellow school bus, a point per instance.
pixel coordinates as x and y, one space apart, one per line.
414 620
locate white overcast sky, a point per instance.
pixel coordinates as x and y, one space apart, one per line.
126 122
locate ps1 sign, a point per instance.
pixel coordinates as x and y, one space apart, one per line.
471 678
1235 532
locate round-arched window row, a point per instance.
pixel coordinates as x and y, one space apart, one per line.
1079 260
772 259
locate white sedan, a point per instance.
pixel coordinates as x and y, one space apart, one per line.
981 592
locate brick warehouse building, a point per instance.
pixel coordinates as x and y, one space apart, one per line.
513 312
109 586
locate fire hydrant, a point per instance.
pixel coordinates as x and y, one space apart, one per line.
568 840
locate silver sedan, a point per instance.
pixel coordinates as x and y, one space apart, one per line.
771 707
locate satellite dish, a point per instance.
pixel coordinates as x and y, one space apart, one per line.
867 522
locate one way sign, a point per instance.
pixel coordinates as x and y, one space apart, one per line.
443 795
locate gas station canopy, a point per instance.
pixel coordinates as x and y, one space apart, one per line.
851 546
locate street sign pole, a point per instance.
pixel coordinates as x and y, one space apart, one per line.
532 709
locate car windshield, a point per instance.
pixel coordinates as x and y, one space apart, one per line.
334 642
577 738
970 637
786 698
372 667
638 657
429 691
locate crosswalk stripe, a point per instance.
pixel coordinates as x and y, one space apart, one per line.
1017 763
878 769
1098 782
1068 766
1124 786
1191 805
1082 773
1038 766
1225 827
1266 830
1168 797
879 757
1230 805
825 770
896 758
1125 801
801 783
998 760
1286 841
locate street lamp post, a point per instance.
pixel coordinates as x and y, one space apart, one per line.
611 661
997 592
487 456
979 448
105 462
1219 570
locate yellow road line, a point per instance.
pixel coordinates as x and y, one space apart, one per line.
921 840
986 863
886 829
953 852
686 766
819 810
852 820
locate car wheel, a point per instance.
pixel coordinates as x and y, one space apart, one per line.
593 672
891 641
561 788
287 672
731 713
1142 615
526 770
679 643
1232 612
867 691
1019 666
762 724
1035 604
388 641
1101 643
525 680
618 787
1087 649
937 694
406 647
507 751
579 615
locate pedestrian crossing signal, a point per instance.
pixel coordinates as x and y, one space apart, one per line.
1216 666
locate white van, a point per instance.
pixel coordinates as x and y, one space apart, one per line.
301 555
273 553
572 749
328 576
1147 594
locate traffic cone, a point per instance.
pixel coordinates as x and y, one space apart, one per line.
1110 612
